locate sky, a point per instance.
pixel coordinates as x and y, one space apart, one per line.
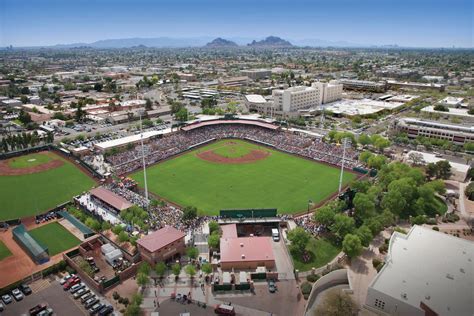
413 23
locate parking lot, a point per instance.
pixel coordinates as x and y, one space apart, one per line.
50 293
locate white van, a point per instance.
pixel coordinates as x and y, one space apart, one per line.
275 234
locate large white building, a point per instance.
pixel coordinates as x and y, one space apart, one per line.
301 97
425 273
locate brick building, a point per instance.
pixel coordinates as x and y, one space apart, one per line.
162 245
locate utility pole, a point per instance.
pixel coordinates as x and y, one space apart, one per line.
344 143
143 160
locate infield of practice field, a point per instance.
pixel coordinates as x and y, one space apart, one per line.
279 180
30 194
56 237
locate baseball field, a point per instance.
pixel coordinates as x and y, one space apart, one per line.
238 174
35 183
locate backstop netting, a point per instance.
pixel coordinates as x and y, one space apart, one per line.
37 252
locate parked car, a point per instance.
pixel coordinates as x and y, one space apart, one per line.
81 292
17 294
224 309
76 288
7 299
106 310
37 309
272 286
2 307
25 289
86 297
90 302
95 309
64 280
46 312
71 282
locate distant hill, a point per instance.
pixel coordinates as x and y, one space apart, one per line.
220 42
271 41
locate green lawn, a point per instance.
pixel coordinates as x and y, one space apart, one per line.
234 151
55 237
4 251
322 252
30 194
30 160
280 181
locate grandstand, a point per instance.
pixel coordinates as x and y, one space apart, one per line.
37 252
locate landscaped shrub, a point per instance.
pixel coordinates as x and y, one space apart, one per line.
312 278
376 262
431 221
306 289
383 248
436 228
116 296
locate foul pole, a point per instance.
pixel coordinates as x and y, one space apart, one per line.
344 142
143 159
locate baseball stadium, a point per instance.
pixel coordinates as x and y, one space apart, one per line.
222 164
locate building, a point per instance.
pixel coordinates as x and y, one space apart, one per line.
460 113
297 98
425 273
186 76
415 85
457 134
362 85
257 103
245 252
112 201
332 91
256 74
162 245
452 102
458 170
233 81
350 107
10 103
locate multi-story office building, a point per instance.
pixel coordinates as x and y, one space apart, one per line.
256 74
297 98
364 85
457 134
332 91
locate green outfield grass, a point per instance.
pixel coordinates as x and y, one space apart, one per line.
30 194
30 160
4 251
55 237
280 181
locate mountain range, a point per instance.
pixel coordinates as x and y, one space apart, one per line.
207 41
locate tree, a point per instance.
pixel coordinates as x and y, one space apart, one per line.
469 191
299 239
444 169
364 139
377 161
142 279
380 142
325 215
105 225
98 86
192 252
431 170
351 245
144 268
160 269
24 117
182 115
206 268
176 269
79 114
394 202
342 226
416 158
93 224
189 213
365 235
213 241
148 104
365 156
123 236
190 270
363 205
337 304
213 226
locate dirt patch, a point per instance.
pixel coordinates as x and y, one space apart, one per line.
6 170
252 156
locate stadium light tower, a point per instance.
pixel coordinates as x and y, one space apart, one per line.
344 144
143 159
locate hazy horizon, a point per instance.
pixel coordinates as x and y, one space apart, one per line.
418 23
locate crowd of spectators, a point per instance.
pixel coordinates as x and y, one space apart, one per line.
175 143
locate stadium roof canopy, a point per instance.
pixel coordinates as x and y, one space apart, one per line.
112 199
218 122
130 139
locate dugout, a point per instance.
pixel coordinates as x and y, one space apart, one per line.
86 231
37 252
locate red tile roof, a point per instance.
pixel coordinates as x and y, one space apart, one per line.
229 231
246 249
111 198
160 238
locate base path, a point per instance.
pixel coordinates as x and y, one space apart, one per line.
6 170
252 156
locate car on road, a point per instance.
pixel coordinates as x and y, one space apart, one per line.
272 288
17 294
95 308
7 299
25 289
